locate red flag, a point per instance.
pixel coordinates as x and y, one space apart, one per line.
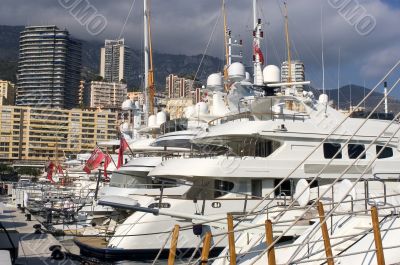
123 145
257 51
50 170
107 161
94 161
60 170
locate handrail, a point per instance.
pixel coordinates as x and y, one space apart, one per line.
271 115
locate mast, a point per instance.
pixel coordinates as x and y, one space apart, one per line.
146 59
151 70
338 83
289 60
227 63
257 36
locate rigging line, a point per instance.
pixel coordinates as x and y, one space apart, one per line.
322 48
207 46
126 19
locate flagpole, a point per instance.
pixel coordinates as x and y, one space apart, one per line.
111 159
128 145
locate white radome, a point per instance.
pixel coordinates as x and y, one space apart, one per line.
161 117
214 81
127 105
152 121
201 108
323 99
236 72
271 74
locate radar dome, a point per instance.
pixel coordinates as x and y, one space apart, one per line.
189 111
161 117
236 72
323 99
214 81
127 105
137 104
271 74
201 108
152 121
125 127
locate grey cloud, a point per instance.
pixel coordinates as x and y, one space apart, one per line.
183 27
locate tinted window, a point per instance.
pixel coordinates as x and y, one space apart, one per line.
387 152
355 150
330 149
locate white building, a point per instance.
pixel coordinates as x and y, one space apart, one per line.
106 94
115 61
297 73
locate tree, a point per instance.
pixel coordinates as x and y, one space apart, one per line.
6 169
30 171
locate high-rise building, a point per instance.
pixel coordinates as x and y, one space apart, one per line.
178 87
106 94
49 68
7 93
37 134
297 73
115 61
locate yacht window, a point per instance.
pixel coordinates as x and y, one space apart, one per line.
330 149
387 152
263 149
355 150
222 187
284 189
256 188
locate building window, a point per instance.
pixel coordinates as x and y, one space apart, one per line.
330 149
387 152
355 150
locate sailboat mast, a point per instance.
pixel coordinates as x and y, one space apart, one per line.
289 59
146 58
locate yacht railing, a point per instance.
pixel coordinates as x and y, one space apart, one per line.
323 218
259 116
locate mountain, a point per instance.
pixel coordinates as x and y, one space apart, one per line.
353 94
164 64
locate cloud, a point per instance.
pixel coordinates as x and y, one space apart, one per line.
184 27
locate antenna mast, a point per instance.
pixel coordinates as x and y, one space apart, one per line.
257 36
289 60
151 88
226 36
146 59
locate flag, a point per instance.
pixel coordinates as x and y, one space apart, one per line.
257 51
123 145
107 161
60 170
94 160
50 170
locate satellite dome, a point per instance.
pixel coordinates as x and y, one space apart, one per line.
125 127
137 104
152 121
214 81
323 99
271 74
201 108
127 105
161 117
189 111
236 72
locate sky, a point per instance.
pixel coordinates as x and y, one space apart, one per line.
368 39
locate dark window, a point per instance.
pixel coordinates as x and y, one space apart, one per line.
330 149
387 152
355 150
222 187
284 189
